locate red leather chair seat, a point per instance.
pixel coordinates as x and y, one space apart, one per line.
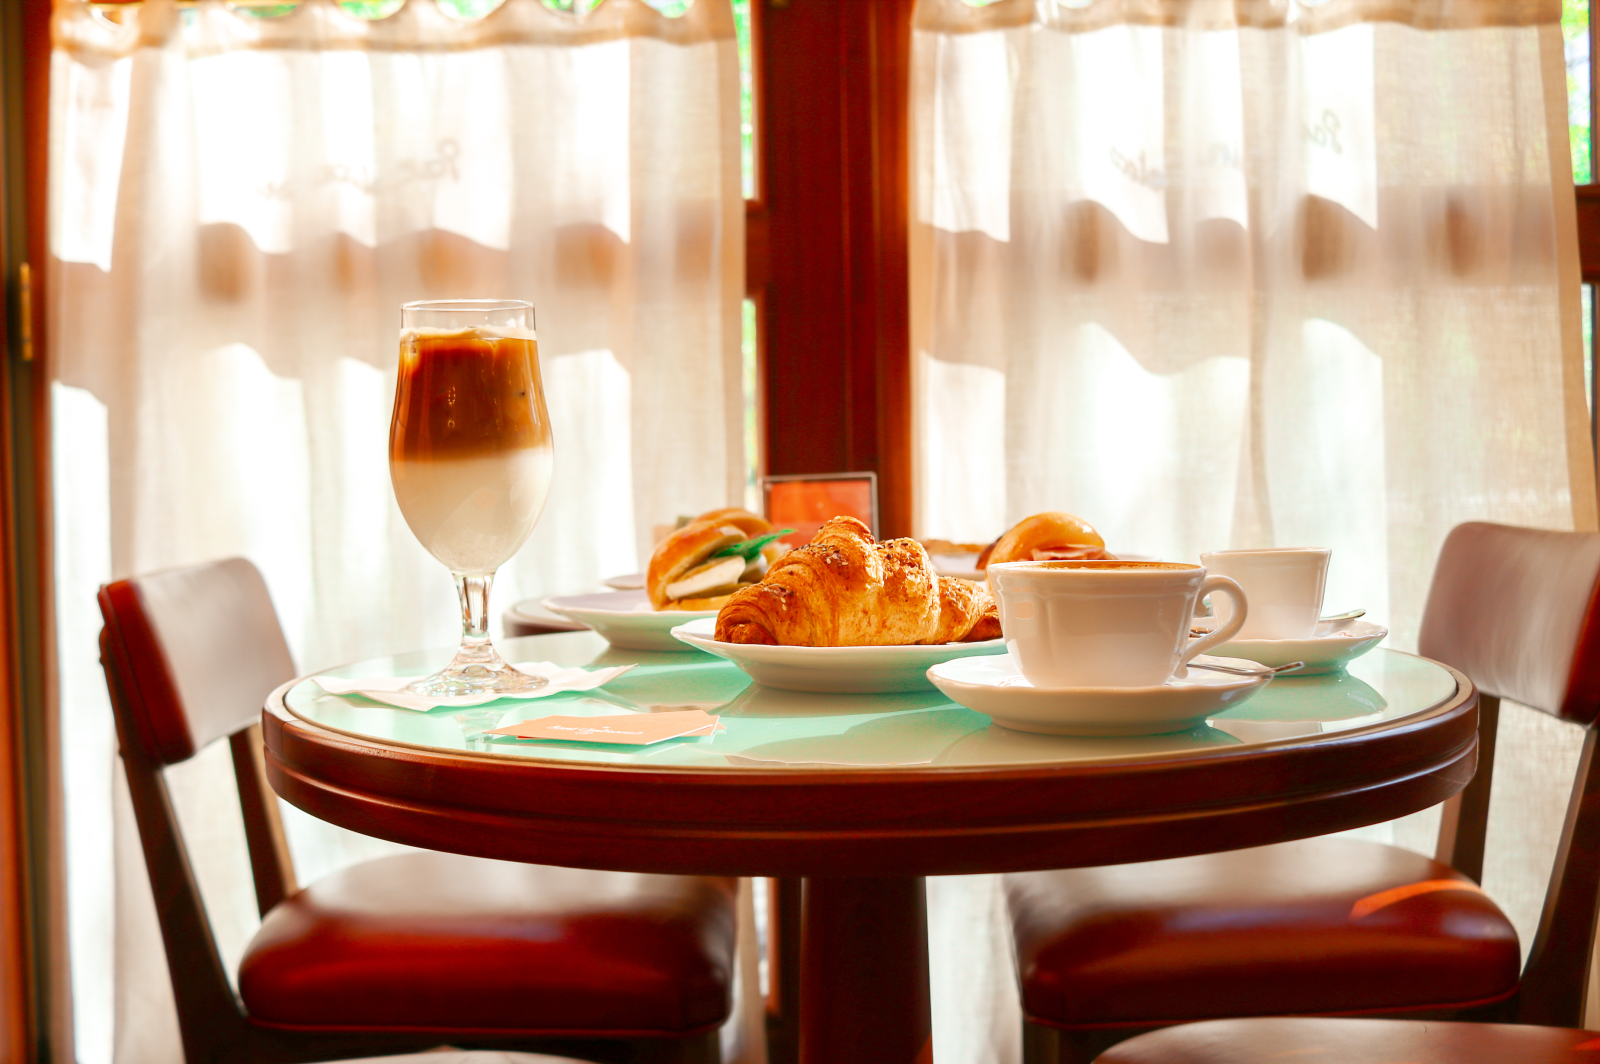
434 941
1259 932
1320 1041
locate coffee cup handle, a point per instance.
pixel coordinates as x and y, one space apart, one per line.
1199 645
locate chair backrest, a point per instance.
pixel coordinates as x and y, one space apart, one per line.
190 656
1516 610
204 650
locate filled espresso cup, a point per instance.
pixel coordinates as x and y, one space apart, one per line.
1106 623
1285 585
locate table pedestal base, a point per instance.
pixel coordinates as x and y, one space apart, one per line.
864 972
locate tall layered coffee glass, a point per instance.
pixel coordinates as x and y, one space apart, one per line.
470 459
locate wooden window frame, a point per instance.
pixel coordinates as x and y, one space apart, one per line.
35 1003
827 265
827 241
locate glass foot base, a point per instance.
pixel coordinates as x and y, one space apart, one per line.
476 678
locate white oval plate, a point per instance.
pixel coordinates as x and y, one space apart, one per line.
1335 645
625 582
996 687
625 618
833 670
963 565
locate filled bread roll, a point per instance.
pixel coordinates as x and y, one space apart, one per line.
699 565
684 561
1046 535
745 521
846 589
751 525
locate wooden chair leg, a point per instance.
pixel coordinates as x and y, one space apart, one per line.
703 1049
783 970
1464 820
1084 1047
1043 1044
1040 1044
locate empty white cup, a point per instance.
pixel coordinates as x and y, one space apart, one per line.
1106 623
1285 586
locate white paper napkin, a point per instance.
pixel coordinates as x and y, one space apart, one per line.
390 690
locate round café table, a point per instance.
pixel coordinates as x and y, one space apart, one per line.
863 795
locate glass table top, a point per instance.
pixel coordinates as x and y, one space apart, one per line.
773 729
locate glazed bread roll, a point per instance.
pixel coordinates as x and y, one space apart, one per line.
846 589
680 555
745 521
1064 535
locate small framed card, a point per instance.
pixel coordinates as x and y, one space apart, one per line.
803 502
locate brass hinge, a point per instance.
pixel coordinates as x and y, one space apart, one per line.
25 310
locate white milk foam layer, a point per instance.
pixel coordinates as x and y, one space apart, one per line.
474 513
497 333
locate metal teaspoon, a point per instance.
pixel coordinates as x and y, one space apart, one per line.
1274 670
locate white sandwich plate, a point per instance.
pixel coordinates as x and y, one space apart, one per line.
625 618
833 670
994 686
1334 645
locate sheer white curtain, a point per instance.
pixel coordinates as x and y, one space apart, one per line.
1236 273
239 206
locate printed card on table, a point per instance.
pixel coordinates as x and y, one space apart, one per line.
632 729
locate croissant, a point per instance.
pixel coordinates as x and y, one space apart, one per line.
846 589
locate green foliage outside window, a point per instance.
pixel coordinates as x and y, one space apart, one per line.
372 8
747 121
1575 34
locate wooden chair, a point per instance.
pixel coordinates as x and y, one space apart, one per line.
1339 926
784 904
1353 1041
398 954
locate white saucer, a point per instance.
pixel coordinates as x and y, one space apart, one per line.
833 670
625 582
625 618
995 686
1335 645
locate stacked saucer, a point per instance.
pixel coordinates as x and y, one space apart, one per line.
995 686
1332 646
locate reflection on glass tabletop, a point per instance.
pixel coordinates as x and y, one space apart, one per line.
772 729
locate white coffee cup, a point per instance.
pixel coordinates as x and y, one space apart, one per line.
1106 623
1285 586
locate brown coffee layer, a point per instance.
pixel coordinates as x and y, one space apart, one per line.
465 395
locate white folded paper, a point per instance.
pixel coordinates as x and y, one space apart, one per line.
390 690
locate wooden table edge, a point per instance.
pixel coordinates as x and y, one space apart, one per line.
954 820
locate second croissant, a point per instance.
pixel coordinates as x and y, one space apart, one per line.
846 589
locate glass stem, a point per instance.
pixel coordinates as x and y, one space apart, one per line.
472 590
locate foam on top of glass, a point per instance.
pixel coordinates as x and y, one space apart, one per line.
480 332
